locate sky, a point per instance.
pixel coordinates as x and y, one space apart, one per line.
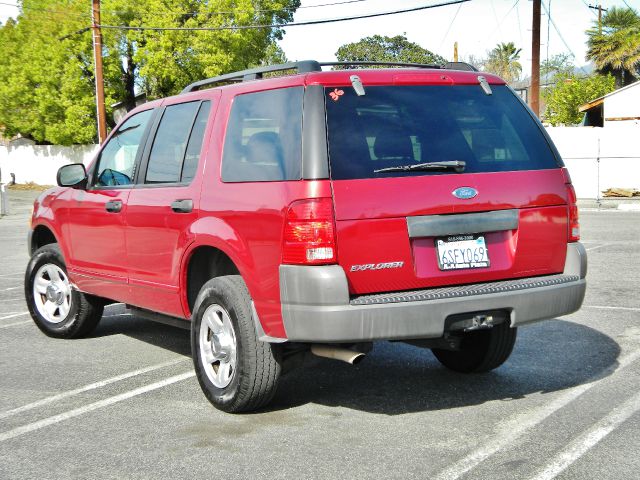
477 26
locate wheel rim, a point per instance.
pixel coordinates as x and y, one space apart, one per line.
217 341
52 293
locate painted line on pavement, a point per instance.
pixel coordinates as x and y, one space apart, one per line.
31 427
596 247
11 288
14 315
605 307
15 324
11 275
590 439
86 388
514 429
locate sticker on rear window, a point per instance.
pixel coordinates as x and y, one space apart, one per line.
336 94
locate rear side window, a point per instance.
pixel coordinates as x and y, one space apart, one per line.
264 137
118 157
395 126
168 153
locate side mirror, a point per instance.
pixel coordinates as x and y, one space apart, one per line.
74 176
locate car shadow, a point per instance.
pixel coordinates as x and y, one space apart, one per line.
117 321
397 378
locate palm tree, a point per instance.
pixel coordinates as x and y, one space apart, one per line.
615 48
503 61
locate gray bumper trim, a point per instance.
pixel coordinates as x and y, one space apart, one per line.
316 306
465 290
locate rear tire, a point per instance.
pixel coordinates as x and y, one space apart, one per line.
480 351
56 307
236 371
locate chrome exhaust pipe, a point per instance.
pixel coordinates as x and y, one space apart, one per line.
337 353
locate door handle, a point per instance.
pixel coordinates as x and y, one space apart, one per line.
182 206
113 206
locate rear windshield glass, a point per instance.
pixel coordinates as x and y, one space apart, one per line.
395 126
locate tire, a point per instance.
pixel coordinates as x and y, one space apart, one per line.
236 371
56 307
480 351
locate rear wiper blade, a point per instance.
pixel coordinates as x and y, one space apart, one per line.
455 165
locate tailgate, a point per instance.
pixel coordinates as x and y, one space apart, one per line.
387 230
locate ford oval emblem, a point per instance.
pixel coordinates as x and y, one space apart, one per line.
465 193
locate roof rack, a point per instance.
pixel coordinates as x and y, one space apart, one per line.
307 66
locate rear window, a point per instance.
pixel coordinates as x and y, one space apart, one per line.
394 126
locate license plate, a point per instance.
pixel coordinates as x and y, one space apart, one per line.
462 251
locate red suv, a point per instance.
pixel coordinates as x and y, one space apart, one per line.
316 212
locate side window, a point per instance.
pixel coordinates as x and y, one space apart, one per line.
170 143
195 143
264 137
116 165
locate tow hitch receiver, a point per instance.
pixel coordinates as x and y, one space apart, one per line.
476 321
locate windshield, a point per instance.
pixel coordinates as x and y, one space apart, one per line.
400 126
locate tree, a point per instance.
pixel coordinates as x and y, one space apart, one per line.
560 64
564 99
615 48
387 49
46 61
503 61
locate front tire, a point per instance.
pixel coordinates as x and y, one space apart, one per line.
480 351
56 307
236 371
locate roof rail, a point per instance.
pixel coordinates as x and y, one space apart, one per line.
304 66
307 66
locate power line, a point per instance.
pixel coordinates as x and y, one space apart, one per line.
450 25
503 18
231 12
47 10
561 37
283 25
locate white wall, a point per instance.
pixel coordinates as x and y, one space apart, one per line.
623 103
40 163
619 152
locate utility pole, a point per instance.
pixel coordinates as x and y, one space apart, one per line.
600 10
455 51
535 59
97 55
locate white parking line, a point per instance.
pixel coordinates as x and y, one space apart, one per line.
588 440
596 247
31 427
86 388
11 288
606 307
15 324
14 315
11 275
512 430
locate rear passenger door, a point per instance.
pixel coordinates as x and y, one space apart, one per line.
165 203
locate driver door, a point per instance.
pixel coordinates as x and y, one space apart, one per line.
96 221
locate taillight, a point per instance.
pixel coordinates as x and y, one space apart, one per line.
309 233
574 224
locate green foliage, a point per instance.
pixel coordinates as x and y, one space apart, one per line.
616 47
569 93
47 89
503 61
560 64
387 49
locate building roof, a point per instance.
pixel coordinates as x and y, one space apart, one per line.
600 100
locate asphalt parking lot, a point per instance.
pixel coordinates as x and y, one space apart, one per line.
124 403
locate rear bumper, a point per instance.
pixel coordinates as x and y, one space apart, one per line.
316 306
